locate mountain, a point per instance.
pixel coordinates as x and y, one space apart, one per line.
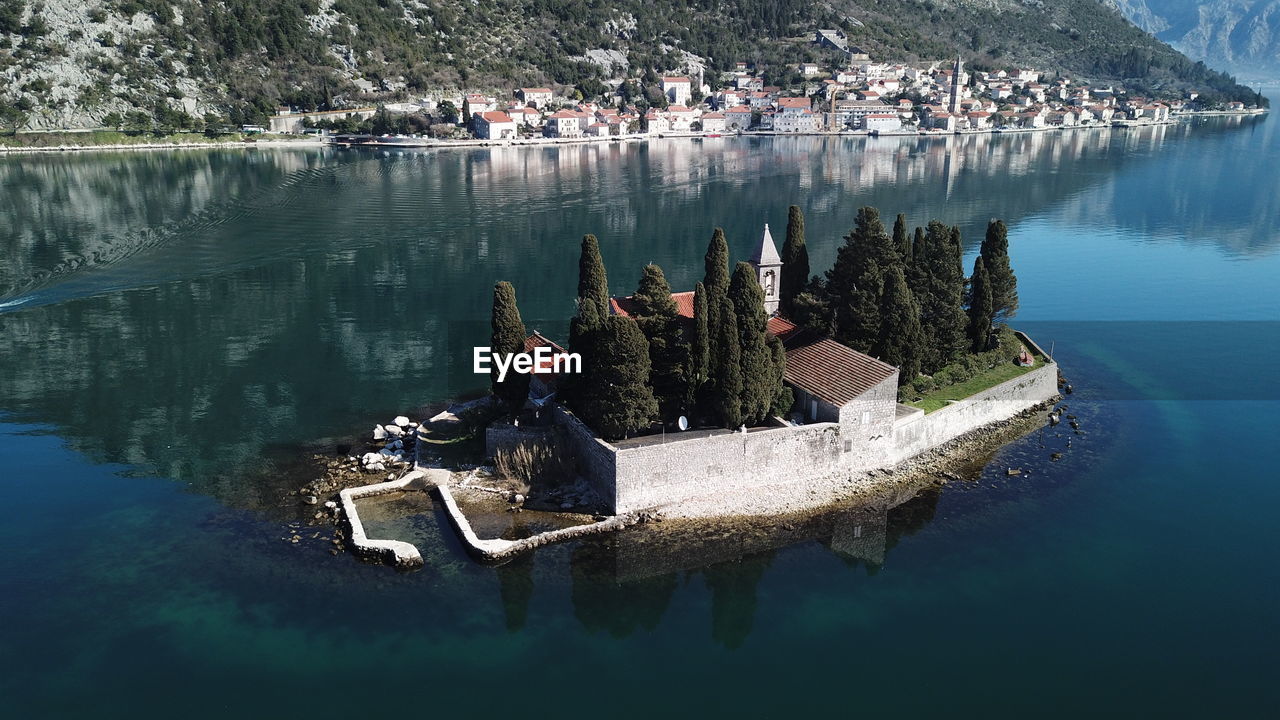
180 63
1242 36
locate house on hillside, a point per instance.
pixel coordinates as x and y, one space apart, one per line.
493 125
679 90
536 97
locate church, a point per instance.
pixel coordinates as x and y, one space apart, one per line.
846 420
832 382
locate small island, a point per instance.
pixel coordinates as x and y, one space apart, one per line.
763 390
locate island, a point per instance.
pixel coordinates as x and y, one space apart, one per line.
761 391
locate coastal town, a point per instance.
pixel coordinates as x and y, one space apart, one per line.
860 96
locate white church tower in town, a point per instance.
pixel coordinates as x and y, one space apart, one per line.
768 271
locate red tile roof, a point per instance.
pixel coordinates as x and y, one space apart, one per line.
834 372
495 116
626 307
538 340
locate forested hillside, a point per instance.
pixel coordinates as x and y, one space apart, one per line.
72 63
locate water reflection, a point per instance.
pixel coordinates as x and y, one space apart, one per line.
624 583
182 312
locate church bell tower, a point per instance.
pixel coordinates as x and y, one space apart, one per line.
768 271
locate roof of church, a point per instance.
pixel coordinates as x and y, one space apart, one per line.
766 253
626 307
536 340
834 372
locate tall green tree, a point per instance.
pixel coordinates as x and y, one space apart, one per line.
901 340
783 397
619 401
593 282
917 267
727 393
980 307
941 297
1004 285
716 265
902 241
506 338
795 261
658 317
856 280
748 306
716 281
700 346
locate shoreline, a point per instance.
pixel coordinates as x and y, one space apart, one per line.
114 147
427 144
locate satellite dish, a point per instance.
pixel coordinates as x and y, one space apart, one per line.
682 423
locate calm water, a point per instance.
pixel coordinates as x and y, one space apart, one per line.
174 326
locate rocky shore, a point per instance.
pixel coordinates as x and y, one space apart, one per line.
489 504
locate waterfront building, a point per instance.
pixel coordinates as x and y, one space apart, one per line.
494 125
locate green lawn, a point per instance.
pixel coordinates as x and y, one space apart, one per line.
990 378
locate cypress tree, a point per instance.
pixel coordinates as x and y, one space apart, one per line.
716 264
916 269
620 401
783 397
593 282
582 335
795 261
507 337
901 335
653 295
942 297
855 282
726 400
980 307
658 318
747 300
995 257
901 241
700 348
716 282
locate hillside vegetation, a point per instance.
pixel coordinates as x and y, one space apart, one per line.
149 63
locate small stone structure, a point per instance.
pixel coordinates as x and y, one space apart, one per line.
498 548
400 554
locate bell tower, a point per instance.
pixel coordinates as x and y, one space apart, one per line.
768 271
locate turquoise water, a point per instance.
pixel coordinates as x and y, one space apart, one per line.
174 327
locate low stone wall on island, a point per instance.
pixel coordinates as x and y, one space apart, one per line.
656 471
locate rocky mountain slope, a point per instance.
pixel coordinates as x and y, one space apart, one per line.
1242 36
182 63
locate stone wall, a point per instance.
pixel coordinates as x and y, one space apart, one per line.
727 462
503 436
596 459
868 446
635 478
918 433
